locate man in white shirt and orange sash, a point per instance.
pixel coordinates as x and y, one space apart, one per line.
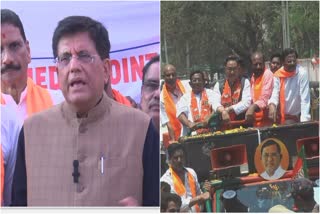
291 91
195 107
183 181
17 89
261 89
171 93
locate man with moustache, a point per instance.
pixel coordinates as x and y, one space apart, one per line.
275 62
17 89
231 96
172 91
261 89
291 91
150 90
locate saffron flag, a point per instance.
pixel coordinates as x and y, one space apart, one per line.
300 169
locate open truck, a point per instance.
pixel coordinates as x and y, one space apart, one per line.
228 160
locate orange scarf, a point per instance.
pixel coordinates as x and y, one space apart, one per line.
283 75
171 110
38 98
228 98
180 188
120 98
205 109
257 89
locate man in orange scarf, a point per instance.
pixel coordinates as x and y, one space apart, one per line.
232 96
195 107
291 91
184 181
261 89
16 88
172 91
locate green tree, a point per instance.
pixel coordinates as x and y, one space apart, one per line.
202 34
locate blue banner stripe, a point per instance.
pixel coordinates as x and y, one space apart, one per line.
126 49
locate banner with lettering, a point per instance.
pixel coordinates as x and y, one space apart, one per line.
134 33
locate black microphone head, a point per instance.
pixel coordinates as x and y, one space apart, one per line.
75 163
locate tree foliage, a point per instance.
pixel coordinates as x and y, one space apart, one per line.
204 33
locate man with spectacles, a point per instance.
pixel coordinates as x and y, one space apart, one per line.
271 158
150 90
89 150
17 89
232 95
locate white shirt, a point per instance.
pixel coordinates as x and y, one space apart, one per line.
167 177
10 129
183 106
239 107
297 94
277 174
21 108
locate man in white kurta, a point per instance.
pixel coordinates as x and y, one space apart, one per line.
296 100
184 105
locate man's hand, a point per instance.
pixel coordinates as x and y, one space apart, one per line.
272 112
250 113
207 186
225 117
204 196
192 125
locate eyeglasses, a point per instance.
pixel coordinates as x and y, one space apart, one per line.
84 58
150 86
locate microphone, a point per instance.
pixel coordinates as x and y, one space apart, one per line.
76 173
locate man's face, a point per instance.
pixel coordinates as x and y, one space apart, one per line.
177 160
290 62
232 71
82 78
275 64
15 55
150 92
271 159
197 83
170 76
257 65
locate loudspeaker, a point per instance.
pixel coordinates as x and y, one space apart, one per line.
311 147
226 161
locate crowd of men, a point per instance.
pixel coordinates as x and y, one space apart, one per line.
275 95
66 147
